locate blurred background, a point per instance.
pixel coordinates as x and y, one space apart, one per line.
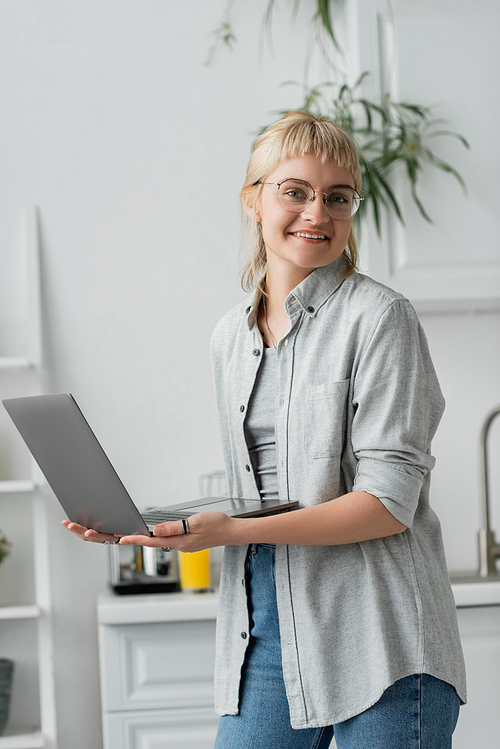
133 149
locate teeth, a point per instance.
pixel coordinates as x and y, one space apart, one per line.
309 236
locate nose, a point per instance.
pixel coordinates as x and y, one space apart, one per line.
315 211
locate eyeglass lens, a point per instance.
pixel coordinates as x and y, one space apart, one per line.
295 195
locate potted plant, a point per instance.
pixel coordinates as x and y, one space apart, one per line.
6 665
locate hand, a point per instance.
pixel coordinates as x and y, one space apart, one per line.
89 534
206 530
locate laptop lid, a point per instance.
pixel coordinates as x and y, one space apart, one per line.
83 478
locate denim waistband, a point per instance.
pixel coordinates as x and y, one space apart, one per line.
254 547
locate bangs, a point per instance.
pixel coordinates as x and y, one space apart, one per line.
296 136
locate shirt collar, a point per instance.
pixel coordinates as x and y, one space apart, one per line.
311 294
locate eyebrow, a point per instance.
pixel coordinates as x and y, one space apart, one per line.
335 187
332 187
299 179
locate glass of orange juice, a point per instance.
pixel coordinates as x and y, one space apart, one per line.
195 571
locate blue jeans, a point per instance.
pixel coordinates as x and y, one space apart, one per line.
417 712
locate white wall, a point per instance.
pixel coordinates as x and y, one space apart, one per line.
466 352
134 152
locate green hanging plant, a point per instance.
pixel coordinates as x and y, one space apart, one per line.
321 21
389 134
5 547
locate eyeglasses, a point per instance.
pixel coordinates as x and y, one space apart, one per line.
296 194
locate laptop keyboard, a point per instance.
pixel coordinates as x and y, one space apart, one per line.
162 516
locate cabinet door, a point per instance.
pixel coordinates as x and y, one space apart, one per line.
161 729
446 53
164 665
479 722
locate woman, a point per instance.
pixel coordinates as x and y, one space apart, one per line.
337 618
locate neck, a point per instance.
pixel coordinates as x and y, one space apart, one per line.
279 286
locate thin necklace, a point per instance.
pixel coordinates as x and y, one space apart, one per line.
267 324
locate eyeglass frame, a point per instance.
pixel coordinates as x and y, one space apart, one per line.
315 192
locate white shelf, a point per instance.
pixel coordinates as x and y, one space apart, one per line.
26 371
16 487
13 739
19 612
15 362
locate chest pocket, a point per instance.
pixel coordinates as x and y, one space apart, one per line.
325 422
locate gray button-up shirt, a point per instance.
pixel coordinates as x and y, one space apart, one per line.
358 403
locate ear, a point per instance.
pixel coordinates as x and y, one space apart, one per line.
252 209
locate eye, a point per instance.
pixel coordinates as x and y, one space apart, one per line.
339 198
295 194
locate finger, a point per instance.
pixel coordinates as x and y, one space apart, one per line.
96 537
173 528
88 534
74 527
150 541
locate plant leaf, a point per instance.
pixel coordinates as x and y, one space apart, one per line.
451 134
419 204
323 14
267 27
445 167
391 197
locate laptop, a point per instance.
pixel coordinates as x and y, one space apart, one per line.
86 484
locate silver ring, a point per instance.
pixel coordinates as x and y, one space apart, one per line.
165 548
185 526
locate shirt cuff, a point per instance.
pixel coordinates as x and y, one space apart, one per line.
397 488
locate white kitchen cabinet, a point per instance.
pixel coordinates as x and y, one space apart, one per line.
156 655
479 722
163 729
157 666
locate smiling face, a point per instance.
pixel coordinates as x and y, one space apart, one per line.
297 243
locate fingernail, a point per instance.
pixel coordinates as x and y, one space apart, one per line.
159 531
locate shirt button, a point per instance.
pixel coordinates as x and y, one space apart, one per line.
243 635
256 352
242 408
286 342
247 467
310 309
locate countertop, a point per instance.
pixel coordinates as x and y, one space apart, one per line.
156 607
468 589
471 590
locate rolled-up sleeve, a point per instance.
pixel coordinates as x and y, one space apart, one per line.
397 407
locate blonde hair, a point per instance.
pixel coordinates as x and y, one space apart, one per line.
298 133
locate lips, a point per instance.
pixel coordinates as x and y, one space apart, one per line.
308 235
